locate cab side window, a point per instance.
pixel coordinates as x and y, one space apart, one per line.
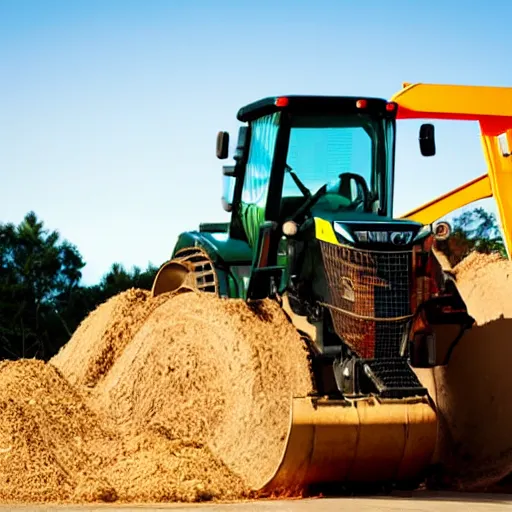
257 175
259 163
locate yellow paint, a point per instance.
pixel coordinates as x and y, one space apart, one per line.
474 190
492 108
456 100
344 443
325 232
500 176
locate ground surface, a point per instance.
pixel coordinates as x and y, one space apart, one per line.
418 502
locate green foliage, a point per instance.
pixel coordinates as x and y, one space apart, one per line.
118 279
474 230
37 271
41 299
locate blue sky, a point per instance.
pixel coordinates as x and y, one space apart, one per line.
109 109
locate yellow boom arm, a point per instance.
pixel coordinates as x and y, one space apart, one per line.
492 108
479 188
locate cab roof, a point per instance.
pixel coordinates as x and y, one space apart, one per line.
317 105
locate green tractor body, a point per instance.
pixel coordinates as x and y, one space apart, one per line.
311 200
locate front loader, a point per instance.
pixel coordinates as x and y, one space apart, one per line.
311 198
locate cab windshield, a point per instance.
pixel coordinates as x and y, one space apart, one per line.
323 148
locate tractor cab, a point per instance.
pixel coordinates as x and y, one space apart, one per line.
311 163
299 154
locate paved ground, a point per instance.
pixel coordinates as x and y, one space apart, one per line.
420 502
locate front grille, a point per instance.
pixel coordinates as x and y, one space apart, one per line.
369 297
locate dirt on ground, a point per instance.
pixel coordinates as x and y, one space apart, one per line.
53 447
178 398
50 442
473 391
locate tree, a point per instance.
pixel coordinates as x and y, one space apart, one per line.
474 230
38 272
41 299
118 279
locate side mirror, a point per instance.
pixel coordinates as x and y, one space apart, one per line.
427 140
222 145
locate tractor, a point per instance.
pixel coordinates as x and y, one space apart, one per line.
310 196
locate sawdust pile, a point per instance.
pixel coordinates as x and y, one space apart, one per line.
51 444
54 448
485 283
216 372
103 335
183 398
473 391
187 398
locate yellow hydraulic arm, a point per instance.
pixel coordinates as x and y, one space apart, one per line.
479 188
492 108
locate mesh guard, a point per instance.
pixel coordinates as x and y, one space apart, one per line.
369 297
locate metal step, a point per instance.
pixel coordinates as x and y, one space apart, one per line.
393 377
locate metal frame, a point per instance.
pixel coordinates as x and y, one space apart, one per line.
492 108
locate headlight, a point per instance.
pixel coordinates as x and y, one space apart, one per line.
343 232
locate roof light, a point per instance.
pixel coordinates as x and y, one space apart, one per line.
361 103
282 102
390 106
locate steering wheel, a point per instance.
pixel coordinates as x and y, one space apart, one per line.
343 189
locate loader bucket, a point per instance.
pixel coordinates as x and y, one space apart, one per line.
363 441
173 276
